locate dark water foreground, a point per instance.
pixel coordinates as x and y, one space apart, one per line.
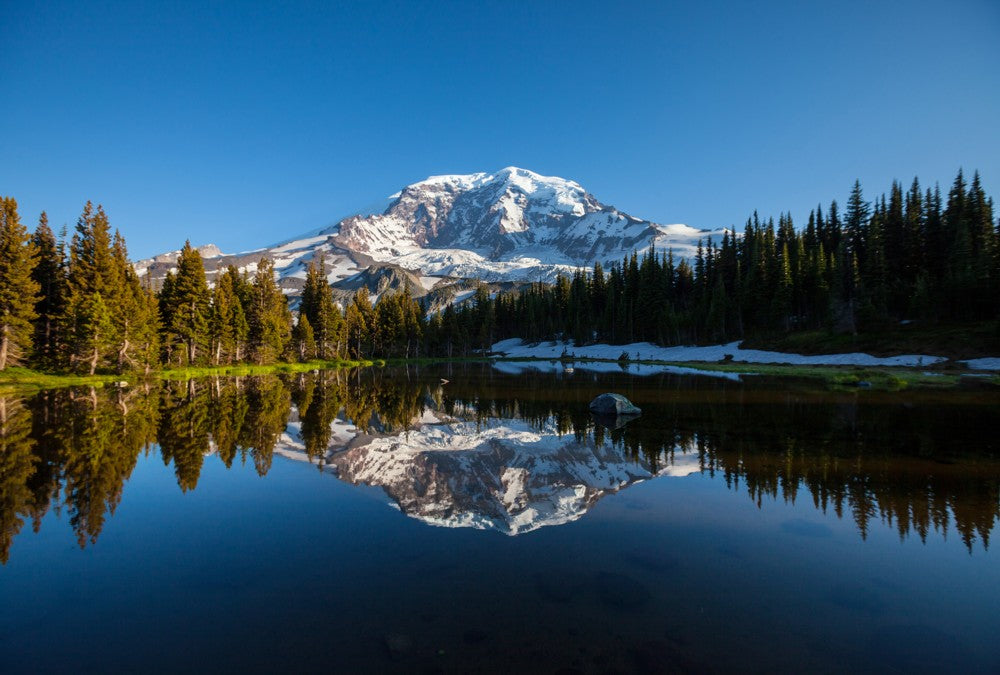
379 520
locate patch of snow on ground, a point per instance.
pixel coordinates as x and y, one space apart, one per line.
640 351
643 369
991 363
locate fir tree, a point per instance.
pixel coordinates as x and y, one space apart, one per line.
187 305
304 339
227 325
268 318
18 290
50 274
94 284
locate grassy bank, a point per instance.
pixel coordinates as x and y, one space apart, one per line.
20 380
23 380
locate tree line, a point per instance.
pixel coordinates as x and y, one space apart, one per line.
909 256
79 305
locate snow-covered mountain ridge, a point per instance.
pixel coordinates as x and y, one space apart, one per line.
511 225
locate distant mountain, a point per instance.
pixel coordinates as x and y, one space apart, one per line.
509 226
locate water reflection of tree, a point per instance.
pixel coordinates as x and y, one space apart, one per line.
919 463
268 404
899 464
318 399
17 465
183 432
913 468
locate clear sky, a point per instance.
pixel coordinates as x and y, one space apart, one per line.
242 124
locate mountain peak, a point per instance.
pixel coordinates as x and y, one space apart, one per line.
509 225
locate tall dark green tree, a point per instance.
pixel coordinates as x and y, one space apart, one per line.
186 305
317 305
18 290
227 325
94 284
50 275
268 318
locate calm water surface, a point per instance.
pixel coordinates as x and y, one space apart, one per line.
381 520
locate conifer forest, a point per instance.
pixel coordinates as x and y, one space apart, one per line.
74 303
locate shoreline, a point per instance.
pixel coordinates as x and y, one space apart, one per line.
19 381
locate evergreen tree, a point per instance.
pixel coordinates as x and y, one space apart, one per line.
268 318
856 222
50 275
94 283
360 320
186 306
18 290
134 315
227 325
304 339
317 304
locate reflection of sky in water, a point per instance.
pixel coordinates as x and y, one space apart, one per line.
298 569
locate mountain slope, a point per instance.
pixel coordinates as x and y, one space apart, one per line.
512 225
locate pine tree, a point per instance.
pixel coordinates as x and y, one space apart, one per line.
134 315
360 320
317 304
95 331
18 290
268 318
303 339
50 274
227 325
856 221
187 306
94 283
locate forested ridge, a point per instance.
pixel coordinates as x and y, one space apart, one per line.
76 304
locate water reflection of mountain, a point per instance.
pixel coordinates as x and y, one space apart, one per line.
506 475
513 452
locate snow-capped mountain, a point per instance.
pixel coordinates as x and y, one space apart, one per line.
504 475
511 225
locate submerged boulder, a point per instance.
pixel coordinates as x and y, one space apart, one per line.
613 404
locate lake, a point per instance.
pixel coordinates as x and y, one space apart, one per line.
477 518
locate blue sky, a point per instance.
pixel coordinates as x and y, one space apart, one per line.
242 124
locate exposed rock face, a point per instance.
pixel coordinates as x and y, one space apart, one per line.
512 225
613 404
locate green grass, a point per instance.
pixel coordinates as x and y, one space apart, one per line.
23 380
249 369
15 380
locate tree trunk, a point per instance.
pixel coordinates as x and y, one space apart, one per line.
122 356
3 347
93 361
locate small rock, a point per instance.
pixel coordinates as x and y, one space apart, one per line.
613 404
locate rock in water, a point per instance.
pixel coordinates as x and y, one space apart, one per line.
613 404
